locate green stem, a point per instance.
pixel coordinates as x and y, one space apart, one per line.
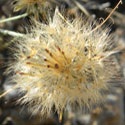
11 33
14 18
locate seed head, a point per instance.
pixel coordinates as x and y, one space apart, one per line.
61 64
34 7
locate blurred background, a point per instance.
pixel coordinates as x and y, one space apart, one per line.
110 113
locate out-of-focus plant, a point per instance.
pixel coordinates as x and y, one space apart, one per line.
35 7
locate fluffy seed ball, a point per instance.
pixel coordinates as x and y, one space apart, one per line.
61 64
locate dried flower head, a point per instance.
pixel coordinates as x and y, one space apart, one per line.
61 64
34 7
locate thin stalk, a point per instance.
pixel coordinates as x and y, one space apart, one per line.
110 14
11 33
14 18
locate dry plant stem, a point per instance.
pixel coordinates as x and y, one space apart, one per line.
119 15
8 91
120 2
82 8
11 33
14 18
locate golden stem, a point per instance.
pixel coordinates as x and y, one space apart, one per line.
110 14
